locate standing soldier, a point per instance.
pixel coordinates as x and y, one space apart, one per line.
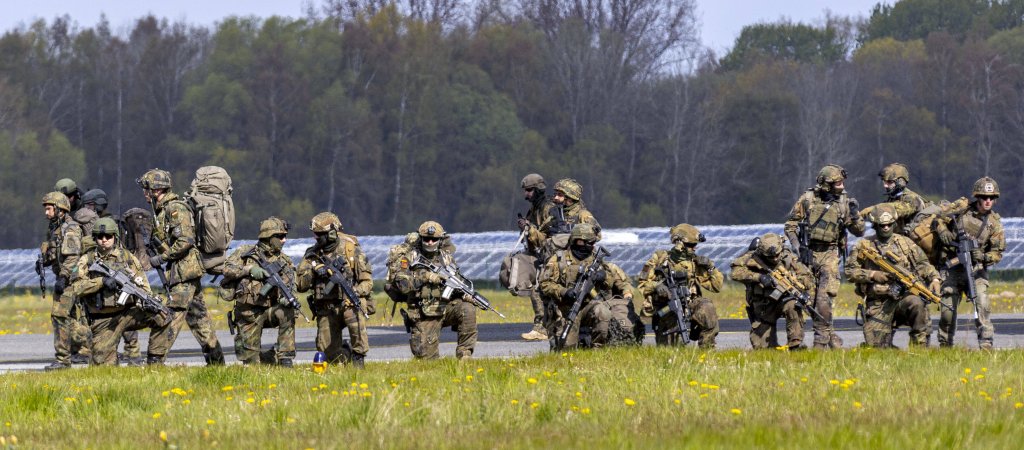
175 231
429 310
765 301
85 217
982 228
336 253
817 226
535 192
606 316
695 272
888 304
567 211
907 203
110 320
60 252
258 304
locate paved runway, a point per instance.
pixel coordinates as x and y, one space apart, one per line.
33 352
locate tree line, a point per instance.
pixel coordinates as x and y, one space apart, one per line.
393 112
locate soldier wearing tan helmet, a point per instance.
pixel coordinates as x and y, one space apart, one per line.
60 252
697 273
176 232
888 304
535 192
429 309
826 212
907 203
983 228
766 255
337 253
567 211
259 305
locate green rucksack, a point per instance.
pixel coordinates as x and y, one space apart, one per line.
214 212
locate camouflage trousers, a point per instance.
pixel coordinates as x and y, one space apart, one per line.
954 289
107 332
197 317
70 335
703 324
538 310
250 320
826 275
425 337
764 315
600 322
331 321
882 315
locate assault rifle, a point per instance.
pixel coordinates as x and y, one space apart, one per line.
905 280
803 235
787 286
274 280
144 300
334 270
153 246
964 245
42 276
584 284
679 297
455 281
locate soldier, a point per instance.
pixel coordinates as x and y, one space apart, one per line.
765 305
333 310
421 288
887 303
983 226
99 293
567 210
257 304
895 178
60 252
696 272
175 230
606 316
535 192
84 216
826 213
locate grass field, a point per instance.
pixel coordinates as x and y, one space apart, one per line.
23 312
615 398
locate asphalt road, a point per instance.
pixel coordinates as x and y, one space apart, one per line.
33 352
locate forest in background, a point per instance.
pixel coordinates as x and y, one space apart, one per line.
393 112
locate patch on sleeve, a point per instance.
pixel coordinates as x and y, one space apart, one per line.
405 263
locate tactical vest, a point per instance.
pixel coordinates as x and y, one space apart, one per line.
346 248
570 270
105 301
826 219
190 266
430 297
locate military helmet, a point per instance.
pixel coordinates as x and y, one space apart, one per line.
58 200
97 196
324 222
533 181
431 228
570 187
883 214
155 179
894 172
105 225
985 186
66 186
583 231
770 245
686 233
829 174
272 226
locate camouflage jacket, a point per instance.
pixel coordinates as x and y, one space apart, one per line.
411 282
830 219
985 229
907 205
88 286
177 232
248 290
538 217
63 246
697 278
749 267
357 270
561 271
907 255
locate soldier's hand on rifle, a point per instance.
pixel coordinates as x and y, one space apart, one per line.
854 207
321 271
878 276
946 236
156 261
110 284
59 285
433 278
977 256
569 294
599 276
522 223
257 273
703 262
794 242
663 291
766 281
935 286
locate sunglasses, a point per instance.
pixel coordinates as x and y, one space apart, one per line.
430 239
103 237
986 197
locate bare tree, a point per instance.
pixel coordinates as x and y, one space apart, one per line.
826 95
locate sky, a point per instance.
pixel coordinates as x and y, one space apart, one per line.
721 20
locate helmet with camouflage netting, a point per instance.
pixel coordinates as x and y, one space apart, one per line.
58 200
273 226
155 179
324 222
570 187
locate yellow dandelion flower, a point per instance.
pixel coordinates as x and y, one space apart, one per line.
227 388
693 383
265 402
412 378
70 399
531 380
978 377
324 386
629 402
229 398
585 410
579 394
394 385
803 379
210 421
186 402
833 382
534 405
165 393
782 384
575 408
367 394
479 370
984 369
314 389
967 370
179 392
334 392
963 380
704 395
736 411
469 378
363 386
677 401
1018 405
250 400
272 386
163 435
515 402
406 404
857 405
156 415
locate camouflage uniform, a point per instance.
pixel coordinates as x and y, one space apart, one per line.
829 214
532 224
886 308
607 316
259 305
562 217
334 312
176 231
698 272
764 304
422 289
110 321
986 229
60 252
906 202
85 219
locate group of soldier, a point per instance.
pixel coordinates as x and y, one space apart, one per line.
579 299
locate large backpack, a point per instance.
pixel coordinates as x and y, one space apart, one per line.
214 211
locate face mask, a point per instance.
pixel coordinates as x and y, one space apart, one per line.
681 251
581 251
326 239
275 244
884 233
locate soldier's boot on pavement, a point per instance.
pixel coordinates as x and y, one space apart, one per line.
214 356
357 361
285 362
57 366
985 345
538 333
154 360
835 341
79 358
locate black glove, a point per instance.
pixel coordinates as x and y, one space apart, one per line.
156 261
703 261
766 281
569 294
663 291
60 285
110 284
599 276
854 207
522 223
321 271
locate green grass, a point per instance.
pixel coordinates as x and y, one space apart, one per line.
615 398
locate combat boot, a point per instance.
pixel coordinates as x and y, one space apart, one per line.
534 335
57 366
357 361
214 356
285 362
154 361
79 358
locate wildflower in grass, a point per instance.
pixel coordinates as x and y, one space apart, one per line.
272 386
70 399
406 404
394 385
210 421
629 402
324 386
515 402
1018 405
736 411
857 405
479 370
250 400
412 378
984 369
166 393
265 402
531 380
585 410
803 379
967 370
677 401
229 398
334 392
579 394
227 388
704 395
833 382
367 394
163 435
363 386
978 377
186 402
534 405
156 415
469 378
963 380
179 392
693 383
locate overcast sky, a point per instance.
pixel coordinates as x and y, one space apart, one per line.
722 19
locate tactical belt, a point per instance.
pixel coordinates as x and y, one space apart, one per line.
822 246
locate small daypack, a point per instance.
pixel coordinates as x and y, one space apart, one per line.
518 273
214 212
